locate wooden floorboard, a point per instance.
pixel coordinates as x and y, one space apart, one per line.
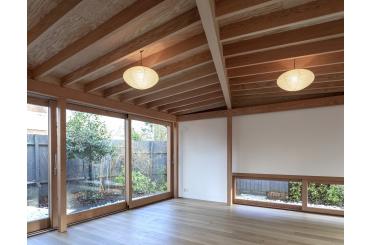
185 221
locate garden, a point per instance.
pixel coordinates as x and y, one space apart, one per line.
329 196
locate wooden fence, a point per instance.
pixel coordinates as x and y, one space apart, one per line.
260 187
149 157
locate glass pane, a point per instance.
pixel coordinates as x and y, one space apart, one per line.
37 162
149 159
274 191
326 196
95 148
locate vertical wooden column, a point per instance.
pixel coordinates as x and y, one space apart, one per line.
61 164
128 162
53 197
169 160
229 158
175 159
305 184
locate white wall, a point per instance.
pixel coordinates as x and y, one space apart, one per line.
202 159
298 142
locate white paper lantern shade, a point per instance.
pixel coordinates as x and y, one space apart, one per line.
140 77
296 79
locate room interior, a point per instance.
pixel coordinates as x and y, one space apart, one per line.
185 122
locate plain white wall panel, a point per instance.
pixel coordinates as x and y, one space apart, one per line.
202 159
298 142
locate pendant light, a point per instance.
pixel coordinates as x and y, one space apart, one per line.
296 79
140 77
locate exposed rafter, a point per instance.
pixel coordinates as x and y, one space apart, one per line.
207 14
183 96
183 47
275 89
181 78
200 98
303 35
165 71
262 80
319 47
115 22
227 7
310 13
174 25
178 89
49 19
283 65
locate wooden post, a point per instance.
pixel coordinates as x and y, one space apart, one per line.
37 166
229 159
128 162
53 197
169 159
61 164
305 184
175 159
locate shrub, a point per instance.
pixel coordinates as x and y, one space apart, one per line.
326 194
294 193
143 184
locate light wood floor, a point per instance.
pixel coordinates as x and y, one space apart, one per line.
184 221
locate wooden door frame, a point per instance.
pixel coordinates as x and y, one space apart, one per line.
49 222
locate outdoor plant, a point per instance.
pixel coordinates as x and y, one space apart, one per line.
319 194
88 139
326 194
142 184
294 193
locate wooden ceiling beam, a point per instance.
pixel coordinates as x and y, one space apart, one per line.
196 105
283 99
264 77
164 72
288 38
310 61
291 105
273 107
319 11
170 91
202 115
178 23
183 96
181 48
324 84
319 47
50 19
228 7
202 108
285 94
114 23
207 15
81 98
190 101
179 79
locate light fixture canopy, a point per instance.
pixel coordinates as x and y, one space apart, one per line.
140 77
296 79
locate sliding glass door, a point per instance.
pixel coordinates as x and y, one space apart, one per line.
37 163
96 165
95 149
149 159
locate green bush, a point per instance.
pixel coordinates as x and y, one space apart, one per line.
143 184
326 194
318 194
294 193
